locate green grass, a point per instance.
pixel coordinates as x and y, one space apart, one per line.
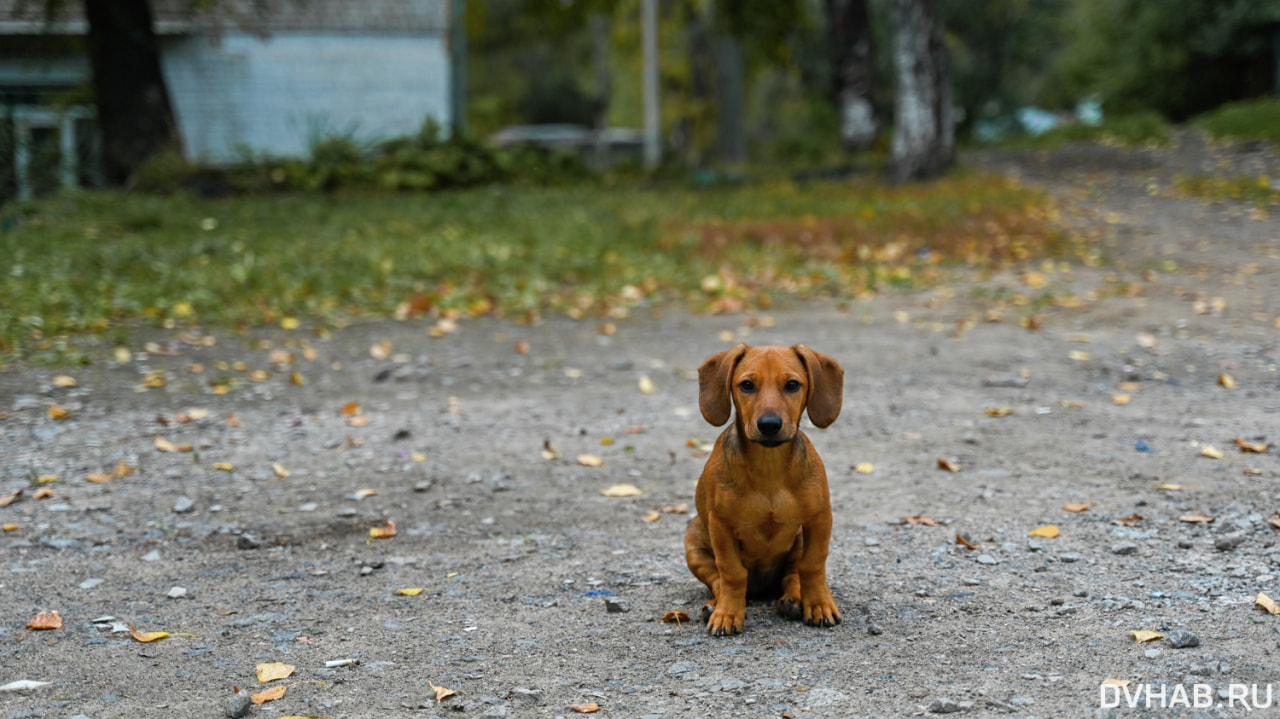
1258 190
1249 120
1136 130
104 262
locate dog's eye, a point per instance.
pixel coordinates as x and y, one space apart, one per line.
792 386
747 386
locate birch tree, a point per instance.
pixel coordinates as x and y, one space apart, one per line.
923 132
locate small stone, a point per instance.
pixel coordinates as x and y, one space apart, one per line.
308 507
943 706
1124 549
176 592
1069 558
91 582
1151 653
986 559
366 570
1180 639
247 541
237 705
184 505
527 696
1228 543
613 605
874 629
1185 544
681 668
1081 593
152 556
497 711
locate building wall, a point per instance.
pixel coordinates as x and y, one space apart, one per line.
278 94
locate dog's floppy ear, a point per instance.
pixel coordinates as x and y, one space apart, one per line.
715 374
826 386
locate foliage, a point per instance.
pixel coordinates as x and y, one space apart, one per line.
1260 191
1176 57
1136 130
1251 120
96 261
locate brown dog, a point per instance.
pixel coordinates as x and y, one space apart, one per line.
764 512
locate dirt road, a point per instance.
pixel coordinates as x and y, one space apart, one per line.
539 593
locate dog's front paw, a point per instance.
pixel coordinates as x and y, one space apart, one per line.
821 613
789 607
726 623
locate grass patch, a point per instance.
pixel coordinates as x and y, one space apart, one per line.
1249 120
1258 190
1137 130
91 262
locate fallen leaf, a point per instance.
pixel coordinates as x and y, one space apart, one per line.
1267 603
1070 404
1128 521
1048 531
57 412
1113 682
122 470
279 469
14 527
998 411
271 671
165 445
233 420
1144 635
350 409
282 358
1121 398
921 519
224 466
147 636
1210 451
607 328
675 615
622 490
1079 356
646 385
1227 381
297 378
288 323
259 375
650 517
385 532
442 693
7 499
360 421
588 708
1274 521
46 620
682 508
1169 487
154 379
522 347
948 465
42 493
97 478
1196 518
1247 446
864 468
1076 506
589 460
64 381
268 695
381 350
362 493
409 591
1129 386
549 451
966 543
47 479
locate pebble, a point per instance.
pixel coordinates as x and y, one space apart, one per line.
986 559
681 668
91 582
528 696
184 505
1228 543
237 705
1069 558
1180 639
1124 548
176 592
613 605
944 706
152 556
247 541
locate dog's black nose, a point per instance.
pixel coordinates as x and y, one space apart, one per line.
769 425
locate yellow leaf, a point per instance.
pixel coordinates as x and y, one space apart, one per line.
549 451
588 708
9 527
362 493
442 693
1267 603
259 375
1113 682
1121 398
650 517
622 490
147 636
1196 518
683 508
154 379
99 477
165 445
1076 507
42 493
279 469
409 591
1079 356
864 468
1210 451
267 695
360 421
385 532
123 355
948 465
646 386
1048 531
64 381
350 409
57 412
1227 381
381 350
1170 487
726 336
288 323
47 478
999 411
418 457
1247 446
1144 635
297 378
271 671
45 620
224 466
589 460
608 328
122 470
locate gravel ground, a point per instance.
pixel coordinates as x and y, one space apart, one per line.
539 593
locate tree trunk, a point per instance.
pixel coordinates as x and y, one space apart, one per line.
853 72
731 101
923 132
133 103
600 31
